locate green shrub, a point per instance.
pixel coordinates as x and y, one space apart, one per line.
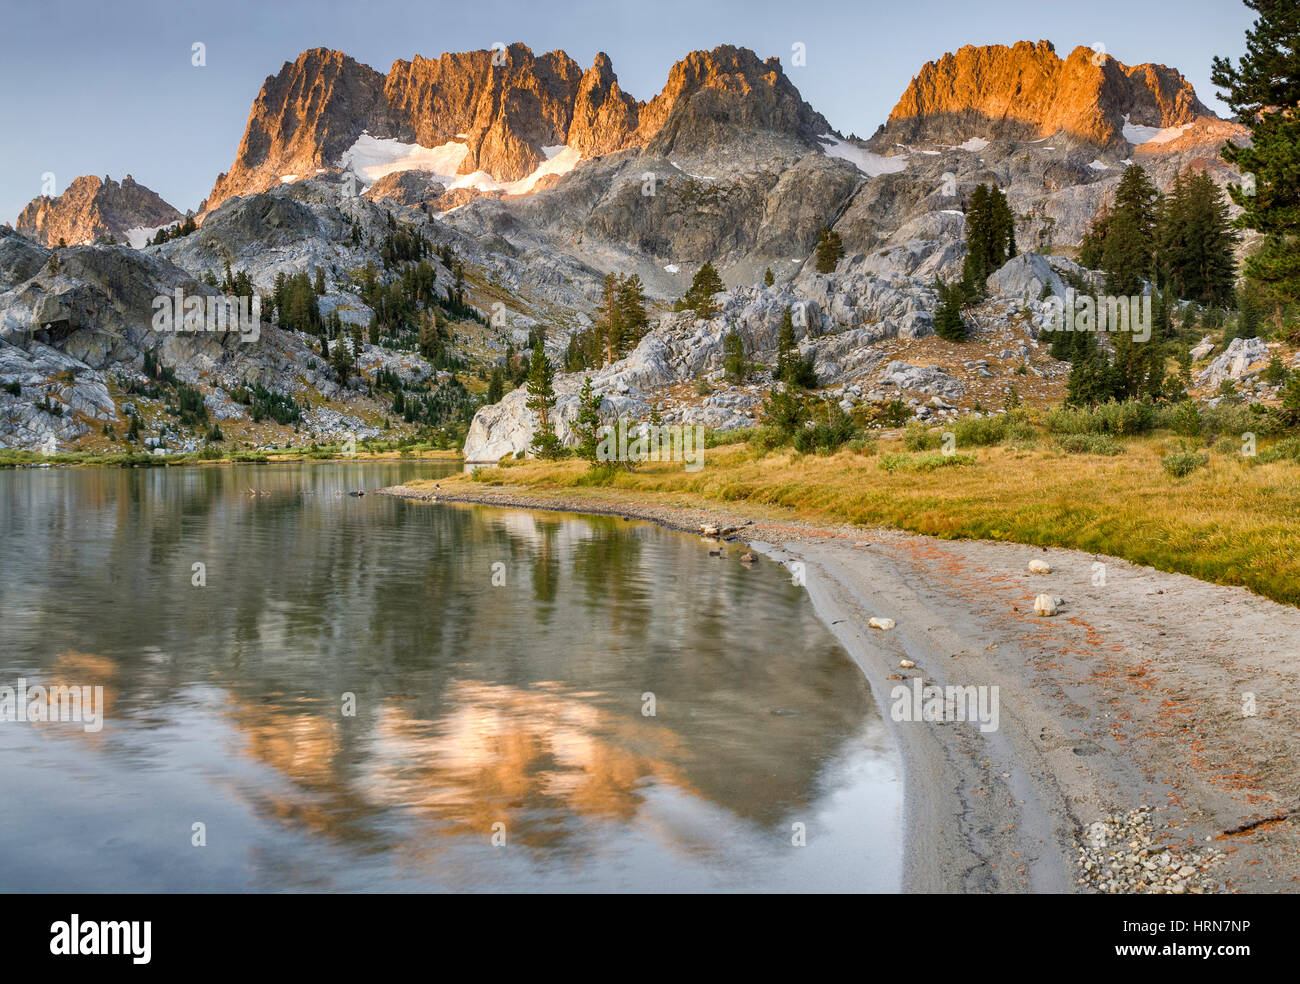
1180 464
895 413
1185 419
974 432
1116 419
1089 444
918 438
1287 449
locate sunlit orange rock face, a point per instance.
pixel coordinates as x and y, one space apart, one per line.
507 106
1027 91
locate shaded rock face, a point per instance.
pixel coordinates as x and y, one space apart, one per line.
93 208
506 106
1027 92
20 258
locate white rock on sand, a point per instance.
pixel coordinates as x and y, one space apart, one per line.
881 623
1040 567
1045 605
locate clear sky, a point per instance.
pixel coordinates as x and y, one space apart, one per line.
95 87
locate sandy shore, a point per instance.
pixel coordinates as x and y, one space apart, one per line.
1147 689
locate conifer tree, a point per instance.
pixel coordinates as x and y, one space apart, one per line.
1263 89
830 250
541 401
948 323
588 424
768 279
496 385
733 359
632 319
705 284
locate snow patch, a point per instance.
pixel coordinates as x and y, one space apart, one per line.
1098 166
372 158
140 236
1137 134
288 178
872 165
673 268
974 144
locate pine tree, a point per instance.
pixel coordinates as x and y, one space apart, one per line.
430 338
318 284
733 359
784 345
588 424
341 359
948 323
1128 249
632 319
705 284
541 401
990 238
496 385
1250 312
1195 241
768 279
1263 89
830 250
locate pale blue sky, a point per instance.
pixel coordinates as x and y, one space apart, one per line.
99 88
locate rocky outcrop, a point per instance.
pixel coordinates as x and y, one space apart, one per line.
837 319
406 188
93 209
604 116
1244 358
713 97
20 258
1027 92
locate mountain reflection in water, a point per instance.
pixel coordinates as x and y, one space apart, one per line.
515 708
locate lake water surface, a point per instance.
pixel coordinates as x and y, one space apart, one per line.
513 711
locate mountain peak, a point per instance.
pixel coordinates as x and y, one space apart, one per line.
503 111
92 208
1027 91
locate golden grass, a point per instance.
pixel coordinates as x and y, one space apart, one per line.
1230 522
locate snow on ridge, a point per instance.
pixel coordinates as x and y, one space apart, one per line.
140 236
974 144
872 165
370 158
1137 134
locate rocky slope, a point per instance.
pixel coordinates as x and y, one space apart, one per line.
93 209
